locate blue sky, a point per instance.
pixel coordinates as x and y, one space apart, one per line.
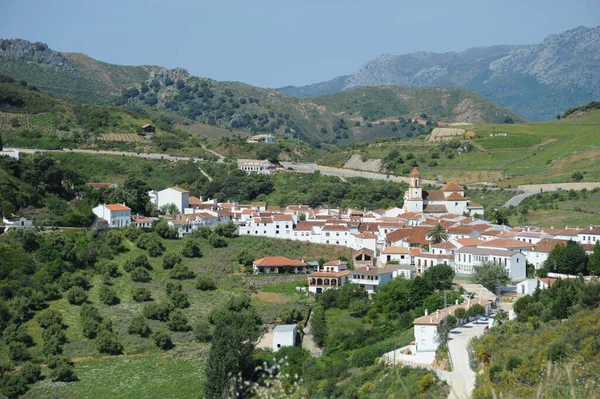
273 43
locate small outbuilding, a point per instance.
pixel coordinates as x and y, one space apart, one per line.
284 335
148 128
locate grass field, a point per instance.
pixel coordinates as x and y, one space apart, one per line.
142 371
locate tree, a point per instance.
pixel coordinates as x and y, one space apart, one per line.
181 272
318 325
567 259
178 321
76 296
114 240
438 234
136 194
61 369
205 283
577 176
139 326
500 317
162 340
108 342
140 275
90 320
461 315
158 311
171 259
13 385
348 293
439 277
17 352
191 249
202 331
359 307
476 311
108 296
233 342
216 241
139 261
444 327
490 275
500 216
594 260
162 228
31 372
141 294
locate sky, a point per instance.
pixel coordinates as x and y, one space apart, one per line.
274 43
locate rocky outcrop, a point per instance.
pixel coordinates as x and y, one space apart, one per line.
36 52
170 76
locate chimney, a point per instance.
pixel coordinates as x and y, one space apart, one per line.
431 319
456 302
591 227
426 312
437 313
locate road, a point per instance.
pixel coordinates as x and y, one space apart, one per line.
462 378
517 199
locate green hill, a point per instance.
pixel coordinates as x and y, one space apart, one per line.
436 103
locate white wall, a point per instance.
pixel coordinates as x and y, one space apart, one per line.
172 196
426 338
284 338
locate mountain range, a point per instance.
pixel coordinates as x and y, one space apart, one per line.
364 114
536 81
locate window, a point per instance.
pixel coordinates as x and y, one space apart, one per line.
277 226
264 231
517 260
326 234
279 345
422 329
337 234
276 231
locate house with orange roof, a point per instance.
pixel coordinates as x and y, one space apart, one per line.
143 222
332 274
371 278
278 265
116 215
589 235
466 259
274 226
336 234
365 239
393 254
449 199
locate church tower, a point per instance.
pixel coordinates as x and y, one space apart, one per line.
413 198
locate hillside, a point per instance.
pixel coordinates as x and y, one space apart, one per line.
68 74
438 104
507 154
535 81
237 107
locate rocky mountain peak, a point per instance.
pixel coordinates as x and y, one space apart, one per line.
36 52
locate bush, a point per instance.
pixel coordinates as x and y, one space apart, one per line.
178 321
138 261
140 275
139 326
205 283
191 249
359 307
109 268
495 370
170 260
61 369
216 241
556 351
13 385
17 352
162 340
202 232
17 333
90 320
108 296
157 311
141 294
181 272
512 363
290 315
202 331
426 382
179 299
76 296
31 372
108 342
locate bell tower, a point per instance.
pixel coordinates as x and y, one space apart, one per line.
413 198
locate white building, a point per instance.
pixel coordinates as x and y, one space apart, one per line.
467 258
116 215
284 335
173 195
256 166
370 278
9 153
261 138
591 235
395 254
331 275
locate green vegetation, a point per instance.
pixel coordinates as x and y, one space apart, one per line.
550 350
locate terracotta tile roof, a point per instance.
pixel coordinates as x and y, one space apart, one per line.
415 251
392 250
444 245
413 235
224 213
368 226
365 234
277 261
433 208
434 195
592 230
298 208
505 243
194 200
142 220
274 208
552 241
486 251
456 197
374 270
259 204
415 173
283 218
117 207
181 190
341 273
460 230
308 225
452 187
474 205
334 227
366 251
434 318
480 226
336 262
470 242
412 216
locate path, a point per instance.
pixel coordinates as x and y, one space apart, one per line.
308 343
534 189
221 157
205 174
517 199
462 378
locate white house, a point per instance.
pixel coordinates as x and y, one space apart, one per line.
278 265
256 166
261 138
284 335
116 215
364 240
331 275
9 153
370 278
590 235
467 258
174 195
17 223
395 254
335 234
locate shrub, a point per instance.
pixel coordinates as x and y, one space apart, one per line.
179 299
162 340
140 275
181 272
109 268
290 315
556 351
216 241
191 249
90 320
17 333
157 311
114 240
139 261
139 326
495 371
108 342
178 321
31 372
359 307
108 296
76 296
61 369
512 363
426 382
17 352
170 260
202 331
141 294
205 283
202 232
13 385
